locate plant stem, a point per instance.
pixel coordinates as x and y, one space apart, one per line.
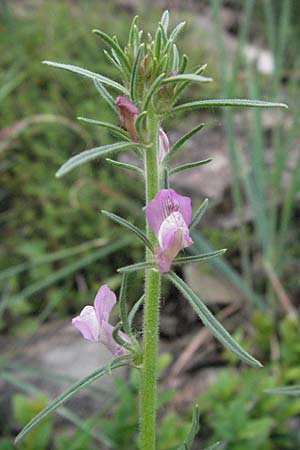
151 309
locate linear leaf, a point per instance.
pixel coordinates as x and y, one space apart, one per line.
189 165
135 73
197 258
197 216
176 146
135 267
218 103
82 383
106 95
125 166
165 20
117 130
190 77
156 83
130 227
286 390
113 44
90 155
193 430
135 309
211 322
88 74
175 58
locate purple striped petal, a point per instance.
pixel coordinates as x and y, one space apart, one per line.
165 203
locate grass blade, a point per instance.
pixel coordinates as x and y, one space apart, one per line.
211 322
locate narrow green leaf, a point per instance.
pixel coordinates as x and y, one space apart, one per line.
114 364
152 90
136 267
106 96
189 77
115 62
165 178
90 155
165 20
197 258
125 166
175 147
173 37
88 74
197 216
122 305
285 390
130 227
214 446
211 322
157 43
135 309
114 45
184 63
116 336
139 123
116 130
194 430
218 103
189 165
132 34
135 74
175 59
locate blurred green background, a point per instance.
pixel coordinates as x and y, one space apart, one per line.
56 247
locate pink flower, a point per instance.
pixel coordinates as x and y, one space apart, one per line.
128 113
169 215
93 321
163 145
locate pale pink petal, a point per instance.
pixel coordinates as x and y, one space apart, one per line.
174 226
163 146
107 339
104 302
87 323
165 203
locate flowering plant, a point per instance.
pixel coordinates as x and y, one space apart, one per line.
153 75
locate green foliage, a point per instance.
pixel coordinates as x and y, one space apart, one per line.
236 407
24 409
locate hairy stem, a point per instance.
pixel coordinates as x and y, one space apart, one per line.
151 309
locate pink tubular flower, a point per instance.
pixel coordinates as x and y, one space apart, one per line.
169 215
163 145
93 321
128 113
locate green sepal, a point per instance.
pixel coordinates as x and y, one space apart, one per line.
88 74
123 165
135 309
106 96
116 130
76 387
90 155
197 216
176 146
136 267
122 305
198 258
129 226
135 74
189 165
194 430
152 90
219 103
211 322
